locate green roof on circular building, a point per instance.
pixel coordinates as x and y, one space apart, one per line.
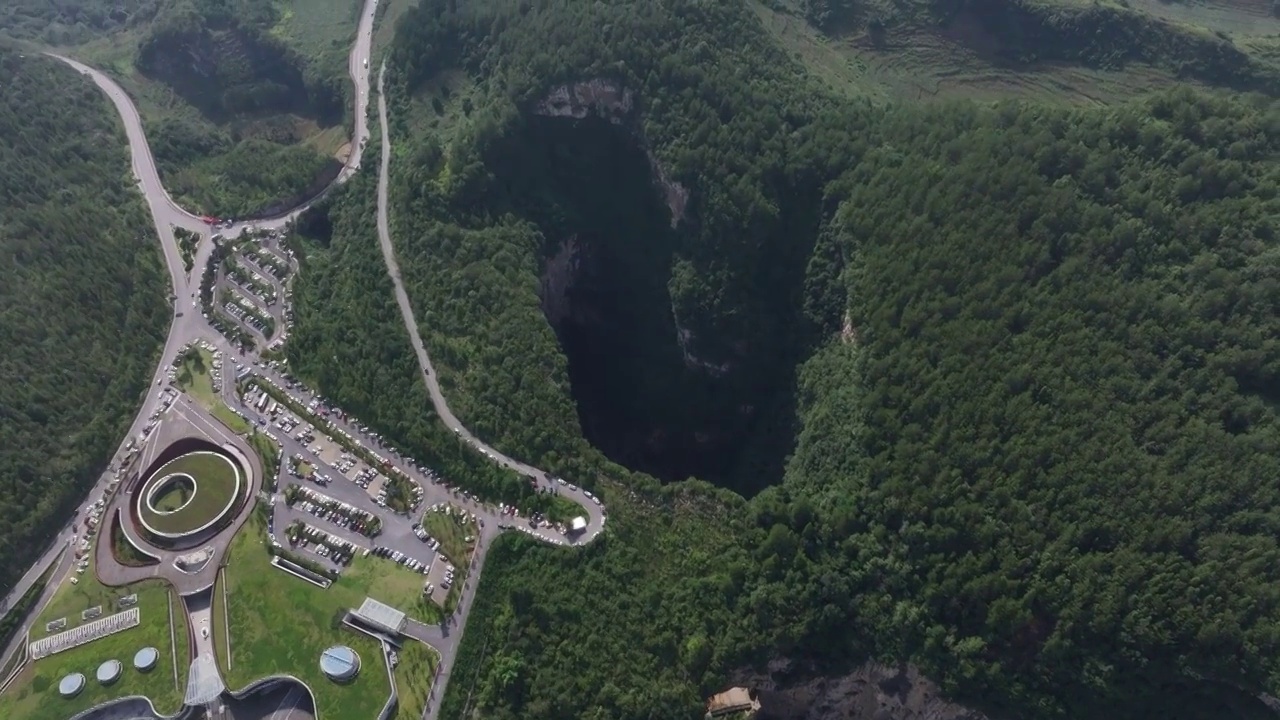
189 493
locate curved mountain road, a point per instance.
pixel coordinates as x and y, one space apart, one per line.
593 511
188 324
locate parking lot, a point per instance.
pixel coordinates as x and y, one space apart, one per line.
251 288
334 502
326 451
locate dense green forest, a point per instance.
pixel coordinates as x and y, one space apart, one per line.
1014 359
82 306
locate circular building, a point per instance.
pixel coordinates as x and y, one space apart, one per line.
109 672
340 663
71 685
145 659
188 495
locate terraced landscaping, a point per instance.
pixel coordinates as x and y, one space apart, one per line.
213 481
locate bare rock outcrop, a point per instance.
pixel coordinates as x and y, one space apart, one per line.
685 338
604 98
558 274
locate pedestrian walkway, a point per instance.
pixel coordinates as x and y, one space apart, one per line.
204 682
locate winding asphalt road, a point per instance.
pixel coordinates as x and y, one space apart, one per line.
592 510
188 323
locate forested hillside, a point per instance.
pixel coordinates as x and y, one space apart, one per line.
68 23
82 305
351 343
244 100
1025 349
251 99
1038 455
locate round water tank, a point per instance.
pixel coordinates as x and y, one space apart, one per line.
145 659
109 671
71 685
340 663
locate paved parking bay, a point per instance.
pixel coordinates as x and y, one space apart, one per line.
397 530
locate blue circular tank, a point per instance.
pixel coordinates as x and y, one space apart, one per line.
71 685
340 663
145 659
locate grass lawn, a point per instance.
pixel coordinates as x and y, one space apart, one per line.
175 494
193 377
388 581
281 624
70 600
215 488
414 676
452 532
34 695
237 424
318 28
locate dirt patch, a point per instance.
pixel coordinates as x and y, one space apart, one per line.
871 692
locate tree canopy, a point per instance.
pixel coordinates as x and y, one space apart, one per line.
82 305
1027 347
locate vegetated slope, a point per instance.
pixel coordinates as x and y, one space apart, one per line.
82 307
244 100
256 99
68 23
1037 455
1055 49
1035 367
483 224
350 343
624 628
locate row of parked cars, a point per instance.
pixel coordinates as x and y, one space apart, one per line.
405 560
421 532
339 513
240 308
332 548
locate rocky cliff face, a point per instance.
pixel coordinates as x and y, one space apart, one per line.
871 692
685 338
599 97
557 280
606 99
